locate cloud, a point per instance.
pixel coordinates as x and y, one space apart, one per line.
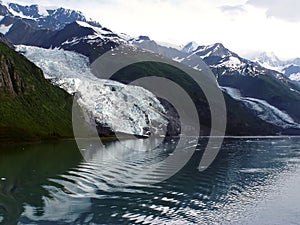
233 10
286 10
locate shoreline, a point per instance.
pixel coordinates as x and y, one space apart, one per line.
113 138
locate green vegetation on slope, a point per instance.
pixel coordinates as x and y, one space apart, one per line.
240 120
31 108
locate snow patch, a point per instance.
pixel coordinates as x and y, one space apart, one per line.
18 14
295 77
233 62
4 29
98 30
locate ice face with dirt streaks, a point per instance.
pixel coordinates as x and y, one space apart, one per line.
124 108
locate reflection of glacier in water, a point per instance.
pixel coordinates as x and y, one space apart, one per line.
252 181
122 163
103 169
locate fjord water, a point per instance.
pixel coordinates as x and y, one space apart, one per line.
252 181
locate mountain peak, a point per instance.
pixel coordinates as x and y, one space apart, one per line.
190 47
269 55
139 39
296 61
143 38
53 18
268 60
218 45
216 49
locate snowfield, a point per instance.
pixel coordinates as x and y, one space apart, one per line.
124 108
295 77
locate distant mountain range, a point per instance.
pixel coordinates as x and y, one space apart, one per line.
290 68
268 93
260 100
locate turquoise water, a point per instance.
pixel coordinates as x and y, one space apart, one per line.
252 181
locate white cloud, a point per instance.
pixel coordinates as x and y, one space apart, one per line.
286 10
233 10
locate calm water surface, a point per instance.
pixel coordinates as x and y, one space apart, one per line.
252 181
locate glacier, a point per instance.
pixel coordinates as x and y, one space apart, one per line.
263 109
123 108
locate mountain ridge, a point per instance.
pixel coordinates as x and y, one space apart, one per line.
231 70
290 68
53 18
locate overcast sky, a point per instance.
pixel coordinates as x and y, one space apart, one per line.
244 26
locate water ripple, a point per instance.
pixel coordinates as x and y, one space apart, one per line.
249 176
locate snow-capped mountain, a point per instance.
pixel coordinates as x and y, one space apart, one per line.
290 68
225 62
217 50
38 26
121 108
269 60
292 71
190 47
264 91
78 36
295 61
55 27
176 54
221 60
70 71
53 18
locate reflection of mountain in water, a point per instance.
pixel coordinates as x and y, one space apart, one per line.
24 172
61 188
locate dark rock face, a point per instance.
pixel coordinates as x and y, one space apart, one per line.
5 40
174 127
72 38
30 36
104 130
31 107
144 38
10 82
56 28
26 10
4 11
292 69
